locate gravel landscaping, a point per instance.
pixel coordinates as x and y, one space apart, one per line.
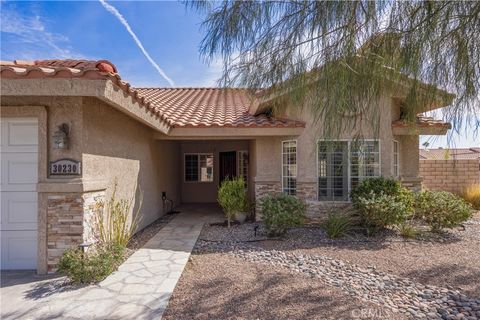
436 276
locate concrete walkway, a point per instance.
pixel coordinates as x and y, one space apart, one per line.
140 289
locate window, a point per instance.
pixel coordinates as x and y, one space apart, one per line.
199 167
243 165
289 167
333 171
365 161
396 160
342 165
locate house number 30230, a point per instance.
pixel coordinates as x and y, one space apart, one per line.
65 167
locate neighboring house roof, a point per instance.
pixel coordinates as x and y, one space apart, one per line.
192 107
210 107
453 154
422 122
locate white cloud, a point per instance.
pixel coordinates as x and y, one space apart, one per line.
124 22
31 32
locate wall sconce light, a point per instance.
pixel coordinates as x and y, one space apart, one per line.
60 137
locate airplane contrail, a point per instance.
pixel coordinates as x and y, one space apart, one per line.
123 21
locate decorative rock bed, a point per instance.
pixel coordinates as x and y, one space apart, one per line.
400 295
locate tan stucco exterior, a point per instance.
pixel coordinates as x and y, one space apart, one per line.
119 142
205 192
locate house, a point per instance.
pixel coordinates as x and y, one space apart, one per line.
450 169
73 129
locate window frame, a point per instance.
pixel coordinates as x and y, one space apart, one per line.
349 163
396 158
198 154
296 165
239 162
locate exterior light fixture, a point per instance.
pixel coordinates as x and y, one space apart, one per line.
60 137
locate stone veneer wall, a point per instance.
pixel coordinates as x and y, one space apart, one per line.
70 222
263 189
449 175
306 191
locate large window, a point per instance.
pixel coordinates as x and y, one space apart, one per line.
289 167
333 171
342 165
199 167
396 160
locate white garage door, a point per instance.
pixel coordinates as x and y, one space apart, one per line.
19 167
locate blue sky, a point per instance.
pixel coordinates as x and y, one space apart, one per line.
169 33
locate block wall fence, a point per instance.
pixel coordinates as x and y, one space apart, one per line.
449 175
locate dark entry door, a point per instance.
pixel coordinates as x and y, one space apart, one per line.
228 165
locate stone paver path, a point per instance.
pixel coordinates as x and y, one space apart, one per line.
140 289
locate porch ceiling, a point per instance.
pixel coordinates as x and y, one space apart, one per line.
222 133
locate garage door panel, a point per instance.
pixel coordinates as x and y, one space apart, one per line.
19 211
19 171
19 250
19 135
19 199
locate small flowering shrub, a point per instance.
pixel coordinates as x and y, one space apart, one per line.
441 209
91 267
232 197
280 212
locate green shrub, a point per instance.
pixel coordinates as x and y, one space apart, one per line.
93 266
337 225
232 197
114 226
280 212
407 230
441 209
382 202
378 211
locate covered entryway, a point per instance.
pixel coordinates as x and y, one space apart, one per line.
19 176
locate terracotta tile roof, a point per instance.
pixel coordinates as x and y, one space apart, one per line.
423 122
178 107
210 107
453 154
85 69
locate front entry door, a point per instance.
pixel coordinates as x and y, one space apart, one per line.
228 165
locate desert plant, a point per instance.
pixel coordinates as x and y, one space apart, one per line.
382 202
441 209
378 211
232 197
471 194
113 223
407 230
93 266
280 212
337 225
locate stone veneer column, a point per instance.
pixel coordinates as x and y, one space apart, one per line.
262 189
70 222
412 183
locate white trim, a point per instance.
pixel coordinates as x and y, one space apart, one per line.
396 155
198 166
239 174
296 162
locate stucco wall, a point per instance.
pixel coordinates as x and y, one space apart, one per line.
118 149
268 150
205 192
449 175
